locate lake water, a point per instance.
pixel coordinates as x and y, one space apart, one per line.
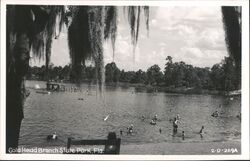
64 113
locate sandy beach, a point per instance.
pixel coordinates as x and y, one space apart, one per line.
205 148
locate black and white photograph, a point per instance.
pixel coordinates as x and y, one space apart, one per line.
125 80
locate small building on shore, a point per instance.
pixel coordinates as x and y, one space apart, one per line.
55 87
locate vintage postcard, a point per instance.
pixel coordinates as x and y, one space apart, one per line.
124 80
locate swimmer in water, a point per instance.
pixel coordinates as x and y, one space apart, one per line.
160 130
153 122
155 118
130 129
178 117
142 117
183 135
54 136
215 114
201 132
175 125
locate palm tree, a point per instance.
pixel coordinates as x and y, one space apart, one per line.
33 28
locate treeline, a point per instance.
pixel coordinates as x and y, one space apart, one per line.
175 74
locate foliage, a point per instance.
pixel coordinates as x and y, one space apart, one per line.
176 74
90 26
112 73
154 75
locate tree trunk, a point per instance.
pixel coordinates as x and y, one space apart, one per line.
16 92
21 27
232 26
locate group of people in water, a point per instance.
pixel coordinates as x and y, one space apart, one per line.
220 114
176 121
130 130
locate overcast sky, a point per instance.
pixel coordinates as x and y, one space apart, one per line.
191 34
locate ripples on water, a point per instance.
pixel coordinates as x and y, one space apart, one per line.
83 119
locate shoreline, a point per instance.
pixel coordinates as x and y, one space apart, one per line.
165 148
154 89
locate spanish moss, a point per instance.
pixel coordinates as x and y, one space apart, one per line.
110 30
134 14
90 27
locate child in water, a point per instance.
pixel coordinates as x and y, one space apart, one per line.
175 125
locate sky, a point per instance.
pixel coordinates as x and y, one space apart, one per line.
191 34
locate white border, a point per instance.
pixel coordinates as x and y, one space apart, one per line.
245 80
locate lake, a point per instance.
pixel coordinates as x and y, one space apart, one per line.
64 113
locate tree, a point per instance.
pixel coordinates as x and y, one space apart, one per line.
168 71
178 74
50 32
123 76
140 77
205 80
154 75
23 24
232 27
217 76
65 72
91 25
230 81
112 73
131 77
90 73
27 27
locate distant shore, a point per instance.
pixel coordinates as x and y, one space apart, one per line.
170 89
154 89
